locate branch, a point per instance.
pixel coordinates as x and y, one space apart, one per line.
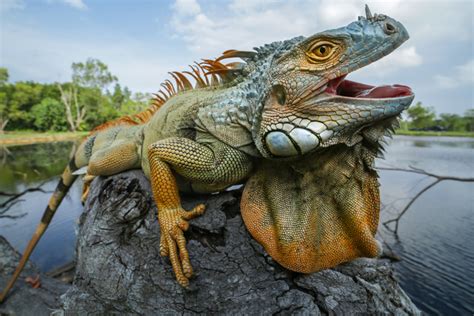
66 99
439 178
14 198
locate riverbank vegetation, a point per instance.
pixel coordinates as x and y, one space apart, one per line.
91 97
423 121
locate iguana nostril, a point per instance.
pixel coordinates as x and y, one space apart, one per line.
389 28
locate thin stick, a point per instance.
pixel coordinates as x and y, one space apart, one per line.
439 178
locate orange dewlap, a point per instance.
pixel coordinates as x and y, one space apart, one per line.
313 215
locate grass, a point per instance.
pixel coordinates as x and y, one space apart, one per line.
433 133
31 137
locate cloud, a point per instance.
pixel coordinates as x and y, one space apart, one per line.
186 8
252 23
76 4
398 60
7 5
462 75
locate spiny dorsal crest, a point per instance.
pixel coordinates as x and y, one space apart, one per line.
208 73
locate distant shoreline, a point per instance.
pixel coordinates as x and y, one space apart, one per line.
434 133
29 137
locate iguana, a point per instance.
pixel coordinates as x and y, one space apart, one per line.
285 122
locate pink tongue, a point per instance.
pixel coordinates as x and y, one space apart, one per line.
389 91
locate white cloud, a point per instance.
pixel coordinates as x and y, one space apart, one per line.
249 23
402 58
7 5
186 8
462 75
76 4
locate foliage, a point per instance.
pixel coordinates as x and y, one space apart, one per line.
80 104
3 76
49 115
420 116
92 74
452 122
469 120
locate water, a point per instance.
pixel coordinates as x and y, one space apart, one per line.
29 166
435 235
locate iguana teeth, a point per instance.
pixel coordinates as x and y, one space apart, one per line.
306 140
280 145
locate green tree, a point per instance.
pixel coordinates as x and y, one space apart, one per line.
421 116
452 122
92 74
137 103
49 115
3 98
85 93
469 120
3 76
21 97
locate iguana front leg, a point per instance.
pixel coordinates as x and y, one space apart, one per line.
212 165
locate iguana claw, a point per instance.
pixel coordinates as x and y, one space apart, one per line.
173 222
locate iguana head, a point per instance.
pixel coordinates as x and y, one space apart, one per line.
309 104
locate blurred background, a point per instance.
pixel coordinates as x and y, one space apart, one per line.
69 65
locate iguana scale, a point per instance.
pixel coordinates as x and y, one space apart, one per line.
286 123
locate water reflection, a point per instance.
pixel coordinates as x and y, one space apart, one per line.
28 166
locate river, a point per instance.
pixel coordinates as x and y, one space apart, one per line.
434 239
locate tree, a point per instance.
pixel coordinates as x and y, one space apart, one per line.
469 120
420 116
92 76
49 115
452 122
3 76
3 99
139 102
21 97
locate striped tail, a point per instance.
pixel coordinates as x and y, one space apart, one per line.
66 181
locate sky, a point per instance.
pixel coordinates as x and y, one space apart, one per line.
141 41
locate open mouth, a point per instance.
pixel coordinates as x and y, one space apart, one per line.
351 89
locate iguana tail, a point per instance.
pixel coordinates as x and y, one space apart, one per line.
66 181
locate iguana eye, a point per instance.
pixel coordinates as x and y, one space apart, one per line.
321 51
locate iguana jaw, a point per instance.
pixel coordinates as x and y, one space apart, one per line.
311 105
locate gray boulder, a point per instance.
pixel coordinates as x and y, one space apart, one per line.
23 299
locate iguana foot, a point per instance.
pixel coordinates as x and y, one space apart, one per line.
173 222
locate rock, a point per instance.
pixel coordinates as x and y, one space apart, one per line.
119 269
23 299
